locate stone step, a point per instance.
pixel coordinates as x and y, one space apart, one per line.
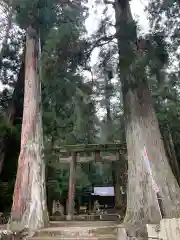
82 223
62 237
104 237
66 232
104 230
75 231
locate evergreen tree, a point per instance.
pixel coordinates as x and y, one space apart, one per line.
142 129
141 122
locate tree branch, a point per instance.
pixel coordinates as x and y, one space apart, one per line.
108 2
100 42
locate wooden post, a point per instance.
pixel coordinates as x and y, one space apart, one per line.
117 168
117 186
97 155
72 187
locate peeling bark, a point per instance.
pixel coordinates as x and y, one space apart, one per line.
142 130
29 208
169 188
142 203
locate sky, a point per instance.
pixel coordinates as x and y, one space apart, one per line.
95 13
137 7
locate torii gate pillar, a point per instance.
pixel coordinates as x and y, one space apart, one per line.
72 187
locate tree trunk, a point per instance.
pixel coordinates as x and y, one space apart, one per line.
142 203
168 186
142 130
29 208
1 154
107 96
169 146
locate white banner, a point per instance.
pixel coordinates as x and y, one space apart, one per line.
146 159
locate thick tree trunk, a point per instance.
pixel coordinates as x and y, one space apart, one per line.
142 204
142 132
29 208
168 186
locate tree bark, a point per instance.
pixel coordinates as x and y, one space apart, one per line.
169 146
142 130
142 203
168 186
29 209
107 96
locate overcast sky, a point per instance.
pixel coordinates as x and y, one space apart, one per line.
137 7
95 13
95 16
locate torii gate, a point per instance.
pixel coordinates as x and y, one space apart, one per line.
76 153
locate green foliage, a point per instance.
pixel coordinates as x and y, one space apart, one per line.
57 181
98 174
167 3
70 100
41 14
63 95
68 109
5 129
165 20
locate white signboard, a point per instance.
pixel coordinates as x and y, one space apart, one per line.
103 191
